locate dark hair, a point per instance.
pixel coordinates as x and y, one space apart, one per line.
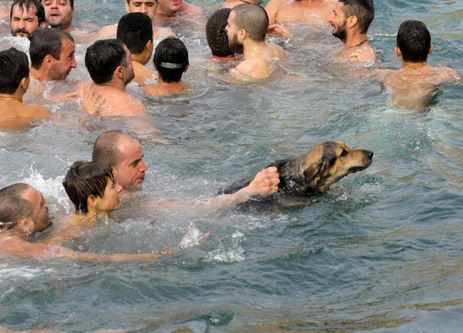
253 19
12 206
85 179
414 41
364 10
217 35
26 5
46 42
135 30
14 66
171 59
103 57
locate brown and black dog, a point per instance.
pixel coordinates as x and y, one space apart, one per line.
315 171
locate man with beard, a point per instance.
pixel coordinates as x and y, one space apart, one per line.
246 30
350 20
26 16
59 13
109 64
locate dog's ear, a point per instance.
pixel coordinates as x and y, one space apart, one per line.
315 171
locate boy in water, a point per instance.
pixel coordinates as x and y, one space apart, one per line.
416 83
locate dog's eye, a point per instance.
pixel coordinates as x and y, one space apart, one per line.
344 153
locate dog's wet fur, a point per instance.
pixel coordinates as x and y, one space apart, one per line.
313 173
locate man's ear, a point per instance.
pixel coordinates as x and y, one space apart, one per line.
91 202
431 48
242 34
24 83
26 225
119 72
48 61
149 47
352 21
186 68
398 53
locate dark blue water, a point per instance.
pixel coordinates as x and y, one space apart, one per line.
380 252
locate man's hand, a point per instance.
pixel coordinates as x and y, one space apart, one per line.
265 182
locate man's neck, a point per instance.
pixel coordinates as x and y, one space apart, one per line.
39 74
356 40
16 96
252 49
119 85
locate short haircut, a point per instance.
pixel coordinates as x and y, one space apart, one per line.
364 10
12 206
171 59
85 179
46 42
135 30
103 57
14 66
106 147
414 41
28 4
253 19
217 35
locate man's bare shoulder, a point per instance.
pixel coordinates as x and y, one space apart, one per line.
106 32
275 51
364 55
162 32
253 69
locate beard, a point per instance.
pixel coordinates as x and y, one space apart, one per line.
22 32
340 32
234 45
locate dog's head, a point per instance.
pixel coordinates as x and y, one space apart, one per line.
322 166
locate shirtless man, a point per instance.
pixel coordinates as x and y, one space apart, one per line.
233 3
177 9
311 11
59 13
147 7
416 83
350 21
109 64
246 30
171 61
136 32
216 35
26 16
14 71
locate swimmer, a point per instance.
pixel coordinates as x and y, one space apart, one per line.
59 14
14 82
416 83
109 64
314 11
246 30
171 61
350 20
216 35
147 7
26 16
172 11
136 32
24 212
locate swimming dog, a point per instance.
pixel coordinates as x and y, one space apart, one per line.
314 172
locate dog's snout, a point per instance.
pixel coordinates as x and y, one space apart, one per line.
369 154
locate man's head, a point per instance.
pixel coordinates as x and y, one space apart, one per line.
246 21
352 13
14 71
53 52
59 13
26 16
124 153
109 59
217 36
92 184
22 206
413 41
147 7
135 30
169 7
171 59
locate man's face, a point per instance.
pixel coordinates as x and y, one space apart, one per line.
66 62
129 73
169 7
232 34
110 200
23 22
147 7
40 209
58 13
338 21
131 167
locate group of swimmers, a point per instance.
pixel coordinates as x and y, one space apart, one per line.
120 54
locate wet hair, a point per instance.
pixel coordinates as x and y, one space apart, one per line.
135 30
103 57
106 147
12 206
25 5
46 42
85 179
364 10
171 59
253 19
217 35
14 66
414 41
